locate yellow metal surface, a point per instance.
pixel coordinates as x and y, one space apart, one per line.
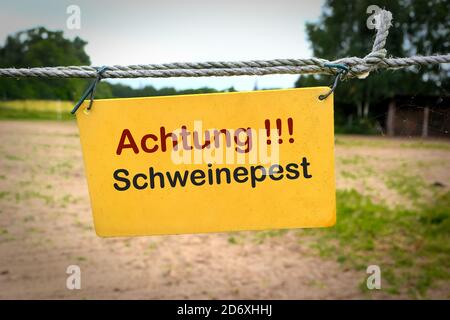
142 183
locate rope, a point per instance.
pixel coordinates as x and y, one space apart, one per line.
358 67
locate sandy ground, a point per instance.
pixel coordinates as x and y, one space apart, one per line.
46 225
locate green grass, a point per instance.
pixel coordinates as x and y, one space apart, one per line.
232 240
36 110
260 236
409 186
13 157
235 238
12 114
426 145
412 247
349 175
354 160
342 140
3 194
31 194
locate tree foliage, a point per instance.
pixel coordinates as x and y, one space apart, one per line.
419 27
40 47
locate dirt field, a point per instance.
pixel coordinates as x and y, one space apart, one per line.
46 225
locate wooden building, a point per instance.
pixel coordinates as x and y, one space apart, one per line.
424 116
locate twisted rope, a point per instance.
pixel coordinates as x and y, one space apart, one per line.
358 67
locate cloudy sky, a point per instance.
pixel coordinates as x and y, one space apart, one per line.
141 32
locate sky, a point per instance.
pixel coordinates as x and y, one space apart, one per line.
145 32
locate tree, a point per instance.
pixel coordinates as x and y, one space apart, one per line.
40 47
419 27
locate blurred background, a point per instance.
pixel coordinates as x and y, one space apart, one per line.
392 151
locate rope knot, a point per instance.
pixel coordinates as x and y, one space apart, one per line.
376 57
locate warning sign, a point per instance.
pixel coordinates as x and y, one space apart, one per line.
210 163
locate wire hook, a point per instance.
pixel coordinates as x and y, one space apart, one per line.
90 91
343 69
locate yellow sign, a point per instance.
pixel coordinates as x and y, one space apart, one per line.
210 162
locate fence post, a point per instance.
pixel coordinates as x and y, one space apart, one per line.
390 121
426 117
